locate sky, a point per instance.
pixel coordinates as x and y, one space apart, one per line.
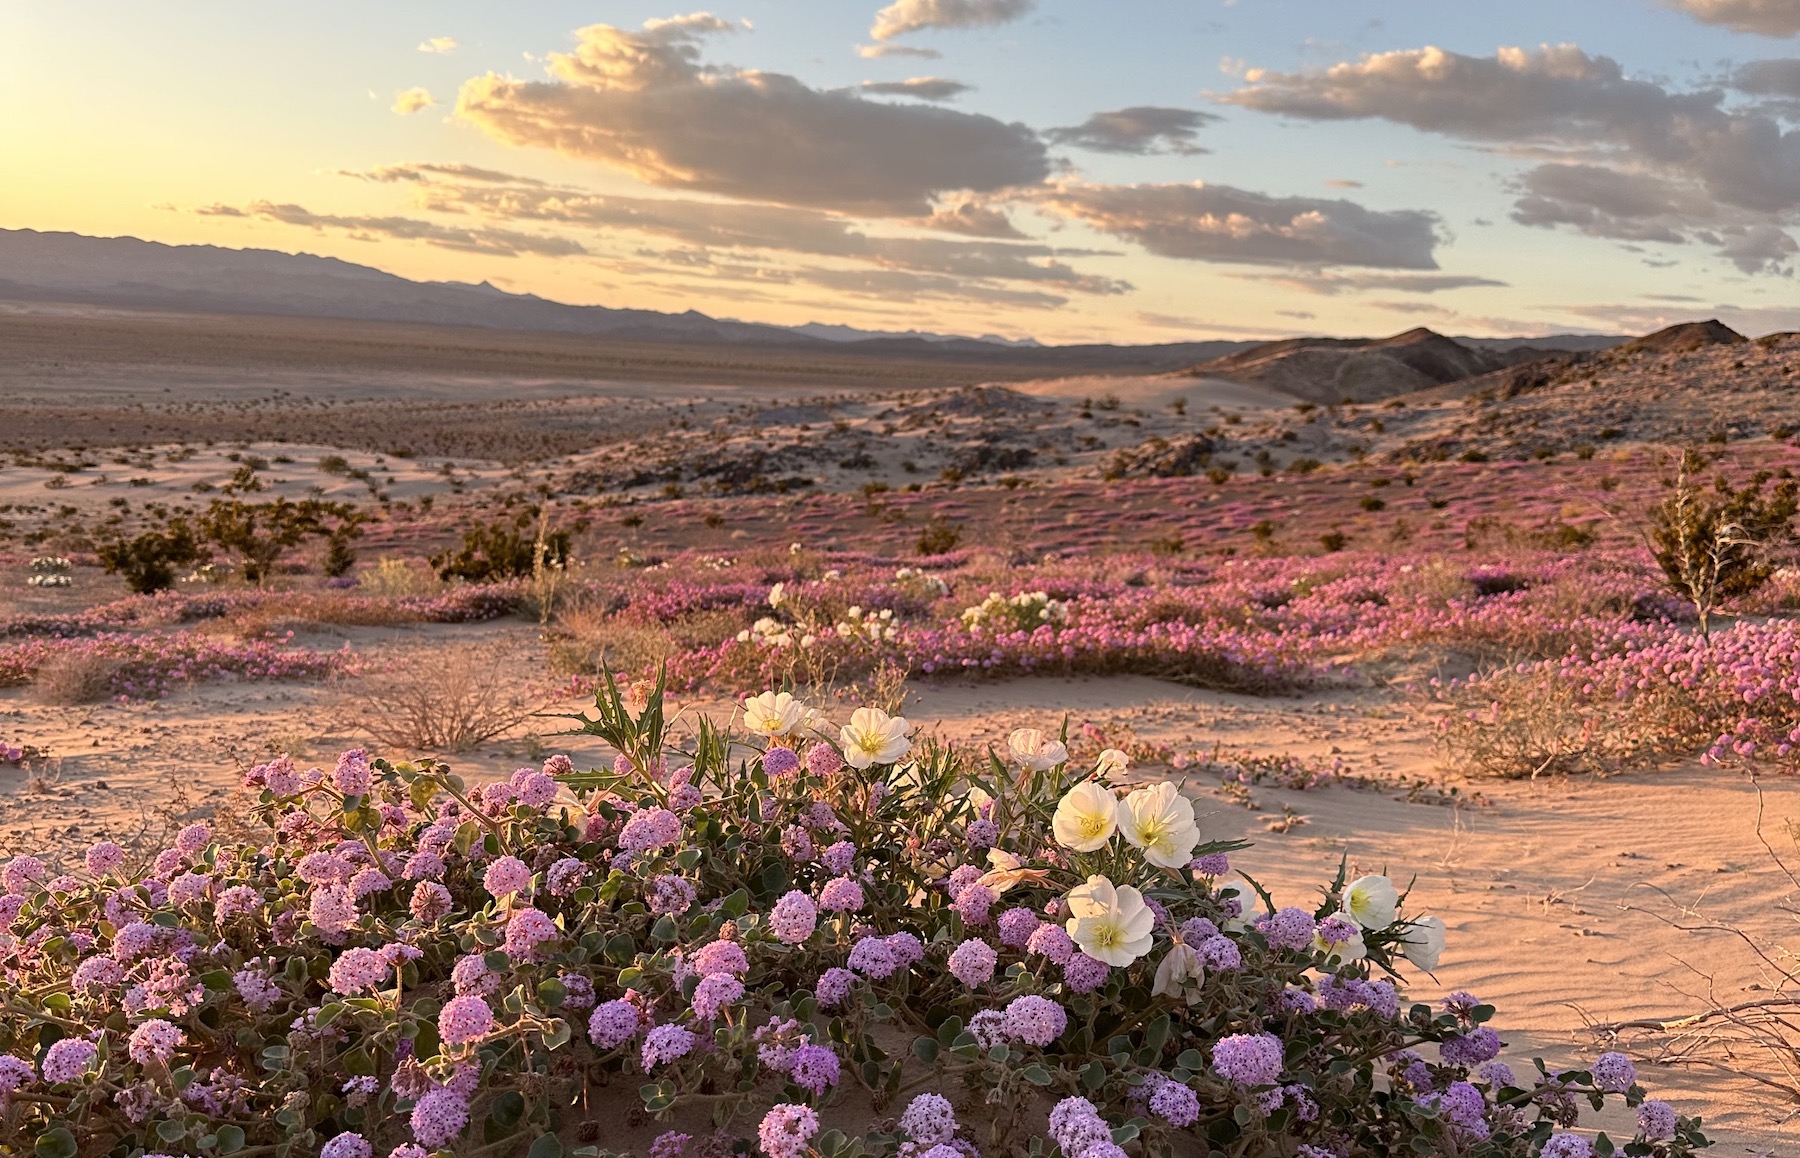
1069 170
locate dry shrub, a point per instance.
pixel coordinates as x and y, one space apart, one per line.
75 677
452 704
586 640
1534 721
398 578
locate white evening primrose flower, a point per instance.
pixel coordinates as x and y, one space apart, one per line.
873 737
778 595
978 797
1351 949
1036 751
1422 941
1110 924
775 714
1371 901
1160 821
1112 762
1086 817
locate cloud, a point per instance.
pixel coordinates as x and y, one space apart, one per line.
1140 129
1641 319
877 51
1762 17
904 16
427 171
974 219
1343 183
1323 282
438 44
1779 78
412 100
494 242
641 102
925 88
1629 159
1202 222
741 226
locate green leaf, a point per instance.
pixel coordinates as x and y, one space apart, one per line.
1036 1074
559 1035
508 1109
551 992
215 980
665 931
170 1130
547 1146
925 1049
329 1014
736 905
1094 1076
496 961
56 1142
230 1139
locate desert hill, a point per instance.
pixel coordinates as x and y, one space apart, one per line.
1334 370
1698 381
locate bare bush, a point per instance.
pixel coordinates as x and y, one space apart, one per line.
398 578
1524 723
451 705
74 677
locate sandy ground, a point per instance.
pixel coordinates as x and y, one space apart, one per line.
1562 898
1157 391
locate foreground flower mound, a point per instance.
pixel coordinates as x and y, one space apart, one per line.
746 939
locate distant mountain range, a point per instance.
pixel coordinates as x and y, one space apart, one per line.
128 273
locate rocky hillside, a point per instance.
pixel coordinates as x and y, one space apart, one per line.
1335 370
1700 381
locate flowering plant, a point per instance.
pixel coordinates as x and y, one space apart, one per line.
745 936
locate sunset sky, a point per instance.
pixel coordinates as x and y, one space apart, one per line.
1067 169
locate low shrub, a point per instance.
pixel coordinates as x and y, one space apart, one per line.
742 936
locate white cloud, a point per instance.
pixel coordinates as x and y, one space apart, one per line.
1762 17
412 100
904 16
1202 222
925 88
438 44
877 51
1140 129
641 102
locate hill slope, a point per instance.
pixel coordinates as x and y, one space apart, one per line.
1333 370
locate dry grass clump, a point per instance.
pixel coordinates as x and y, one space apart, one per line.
1532 722
74 677
399 578
585 640
459 701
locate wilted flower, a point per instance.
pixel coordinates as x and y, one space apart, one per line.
1032 749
